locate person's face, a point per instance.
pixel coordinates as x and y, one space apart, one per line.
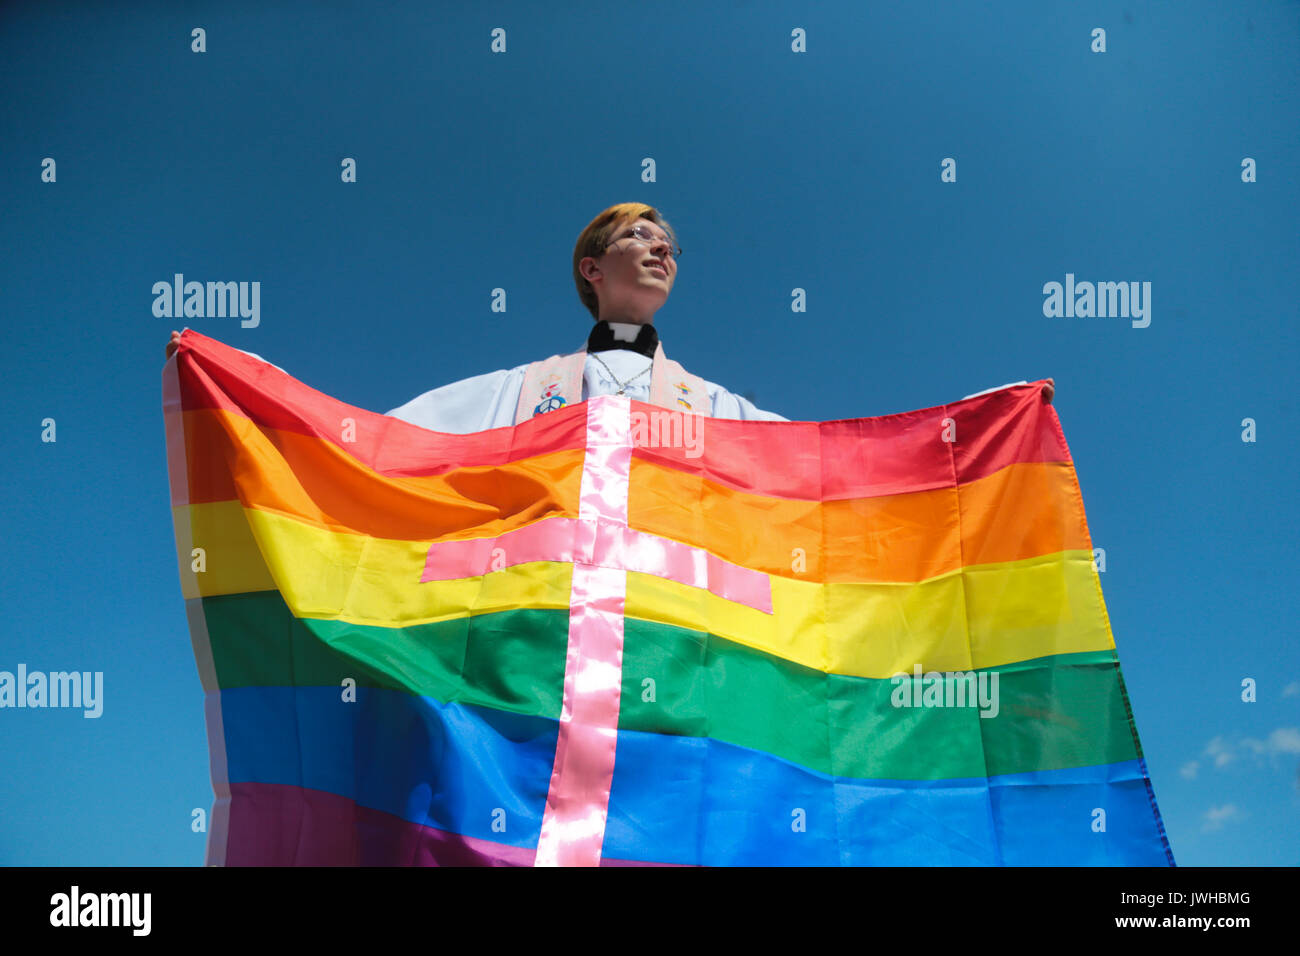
633 276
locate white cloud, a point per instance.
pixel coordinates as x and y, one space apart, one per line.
1188 770
1284 740
1292 689
1220 750
1216 817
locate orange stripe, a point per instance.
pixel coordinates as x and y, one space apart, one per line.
1021 511
316 482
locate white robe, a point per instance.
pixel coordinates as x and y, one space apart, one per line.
489 400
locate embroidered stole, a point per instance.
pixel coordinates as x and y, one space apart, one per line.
557 381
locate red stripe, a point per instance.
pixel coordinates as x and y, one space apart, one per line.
870 457
214 375
817 461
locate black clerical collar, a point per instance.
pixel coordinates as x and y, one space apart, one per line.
602 339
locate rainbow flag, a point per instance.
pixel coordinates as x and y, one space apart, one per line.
618 634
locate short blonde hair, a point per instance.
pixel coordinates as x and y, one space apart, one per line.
595 239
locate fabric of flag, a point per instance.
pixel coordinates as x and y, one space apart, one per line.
619 634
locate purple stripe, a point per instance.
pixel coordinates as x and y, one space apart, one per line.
277 825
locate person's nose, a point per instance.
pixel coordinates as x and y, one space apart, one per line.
663 249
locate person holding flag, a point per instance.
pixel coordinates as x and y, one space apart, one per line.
625 263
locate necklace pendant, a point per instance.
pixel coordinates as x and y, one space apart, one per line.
620 391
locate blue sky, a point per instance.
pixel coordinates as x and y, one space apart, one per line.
779 170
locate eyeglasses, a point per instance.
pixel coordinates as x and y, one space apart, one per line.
645 235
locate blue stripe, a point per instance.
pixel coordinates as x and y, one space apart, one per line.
455 767
703 801
677 799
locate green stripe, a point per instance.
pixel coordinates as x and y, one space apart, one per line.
1054 712
257 642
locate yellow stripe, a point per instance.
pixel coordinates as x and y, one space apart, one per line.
1018 610
1050 604
363 580
229 562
